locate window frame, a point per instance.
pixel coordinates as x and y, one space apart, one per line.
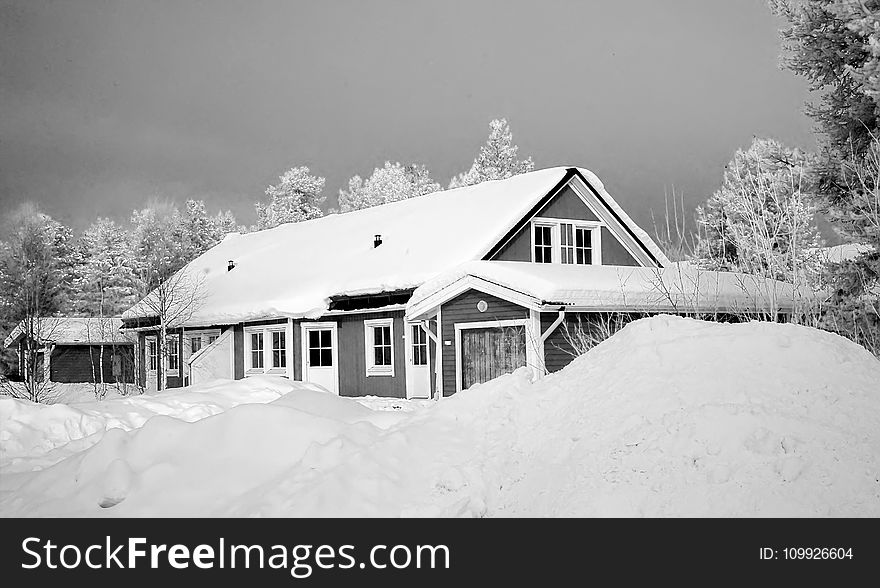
369 347
417 335
555 224
267 352
173 351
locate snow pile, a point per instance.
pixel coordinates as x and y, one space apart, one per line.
670 417
39 435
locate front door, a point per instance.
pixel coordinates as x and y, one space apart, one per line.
487 353
320 355
418 370
151 360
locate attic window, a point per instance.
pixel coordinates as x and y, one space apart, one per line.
566 241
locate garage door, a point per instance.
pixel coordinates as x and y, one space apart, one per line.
487 353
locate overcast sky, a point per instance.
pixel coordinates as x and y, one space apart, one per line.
104 105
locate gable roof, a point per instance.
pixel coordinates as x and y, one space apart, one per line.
73 331
679 287
292 270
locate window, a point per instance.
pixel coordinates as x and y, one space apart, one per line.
543 244
257 350
566 241
173 355
379 346
279 349
266 349
212 338
320 348
583 246
419 344
195 344
152 355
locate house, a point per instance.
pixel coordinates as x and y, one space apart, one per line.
428 296
69 349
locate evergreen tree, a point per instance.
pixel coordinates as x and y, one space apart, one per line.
390 183
497 159
760 221
200 231
835 44
296 198
106 281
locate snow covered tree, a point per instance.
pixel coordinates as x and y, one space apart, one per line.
106 281
389 183
835 44
296 198
106 286
760 221
201 231
497 159
36 276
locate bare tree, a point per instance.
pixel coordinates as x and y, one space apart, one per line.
172 301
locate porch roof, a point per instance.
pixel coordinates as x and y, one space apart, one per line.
680 287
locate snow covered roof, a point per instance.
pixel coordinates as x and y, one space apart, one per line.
678 287
73 330
841 253
294 269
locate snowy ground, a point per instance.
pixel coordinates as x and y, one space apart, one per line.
670 417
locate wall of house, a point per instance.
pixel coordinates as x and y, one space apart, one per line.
613 252
463 309
566 204
82 363
353 379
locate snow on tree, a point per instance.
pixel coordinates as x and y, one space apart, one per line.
106 281
200 231
497 159
835 44
389 183
760 221
36 275
296 198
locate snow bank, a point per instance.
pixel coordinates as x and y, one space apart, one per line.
670 417
36 434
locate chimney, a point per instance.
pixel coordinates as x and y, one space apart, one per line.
377 240
229 265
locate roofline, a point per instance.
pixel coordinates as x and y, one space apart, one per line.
626 226
524 220
429 305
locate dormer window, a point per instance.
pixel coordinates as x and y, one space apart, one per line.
543 243
566 241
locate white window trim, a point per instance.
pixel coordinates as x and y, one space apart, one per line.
595 227
147 354
202 335
266 331
369 355
168 371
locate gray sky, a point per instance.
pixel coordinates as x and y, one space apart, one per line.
107 104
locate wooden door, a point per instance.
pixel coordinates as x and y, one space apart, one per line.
487 353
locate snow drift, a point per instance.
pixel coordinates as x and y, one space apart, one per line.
670 417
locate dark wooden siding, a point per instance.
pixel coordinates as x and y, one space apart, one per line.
238 352
567 204
613 252
142 364
82 363
297 351
353 380
463 309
